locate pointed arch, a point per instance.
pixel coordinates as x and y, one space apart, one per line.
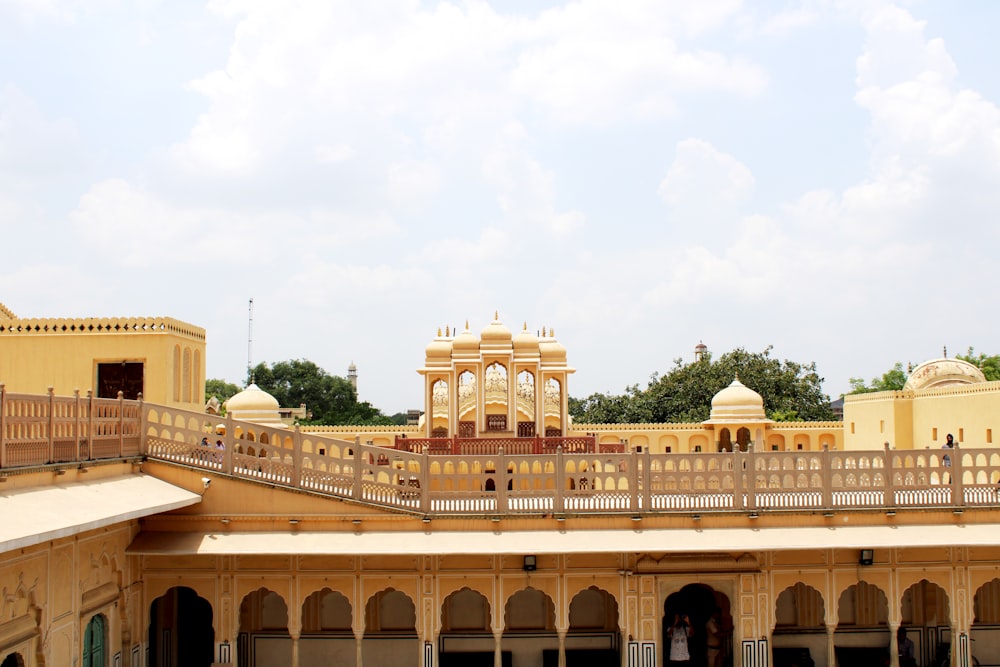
465 611
593 609
529 610
181 631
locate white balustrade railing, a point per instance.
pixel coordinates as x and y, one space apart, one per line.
49 430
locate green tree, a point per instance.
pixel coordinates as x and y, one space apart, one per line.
791 391
610 409
989 365
893 379
221 389
330 399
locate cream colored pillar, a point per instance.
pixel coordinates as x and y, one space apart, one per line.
831 655
893 644
358 656
295 647
562 648
498 649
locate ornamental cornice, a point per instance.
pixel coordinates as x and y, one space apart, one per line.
100 326
709 562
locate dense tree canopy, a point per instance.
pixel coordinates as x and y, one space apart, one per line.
221 389
330 399
892 380
989 365
791 391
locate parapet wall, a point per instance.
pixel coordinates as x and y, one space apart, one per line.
99 326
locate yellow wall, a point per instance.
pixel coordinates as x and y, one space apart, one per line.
54 589
36 354
921 419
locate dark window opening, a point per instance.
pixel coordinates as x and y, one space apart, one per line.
123 376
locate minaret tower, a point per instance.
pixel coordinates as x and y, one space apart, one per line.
352 376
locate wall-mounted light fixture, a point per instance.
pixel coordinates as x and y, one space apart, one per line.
867 557
530 563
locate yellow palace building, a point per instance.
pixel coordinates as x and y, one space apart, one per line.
140 530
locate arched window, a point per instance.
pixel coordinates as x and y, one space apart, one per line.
186 375
93 643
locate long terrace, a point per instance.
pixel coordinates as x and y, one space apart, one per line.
513 476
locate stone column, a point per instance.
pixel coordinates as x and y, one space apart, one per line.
562 648
831 655
498 649
295 647
893 644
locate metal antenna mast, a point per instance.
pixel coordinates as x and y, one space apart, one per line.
250 347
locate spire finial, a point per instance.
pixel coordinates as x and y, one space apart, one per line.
525 326
439 332
466 323
543 332
945 351
496 315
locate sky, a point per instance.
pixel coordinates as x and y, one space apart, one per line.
637 176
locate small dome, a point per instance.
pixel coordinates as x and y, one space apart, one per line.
551 349
253 404
737 402
466 342
943 373
439 349
525 343
496 333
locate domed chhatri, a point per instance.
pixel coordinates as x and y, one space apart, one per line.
495 333
253 404
466 343
938 373
738 403
525 343
439 350
552 351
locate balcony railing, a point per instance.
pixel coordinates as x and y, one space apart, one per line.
495 477
458 446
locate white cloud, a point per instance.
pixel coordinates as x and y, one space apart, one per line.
333 154
936 147
791 19
602 62
699 169
127 224
413 185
